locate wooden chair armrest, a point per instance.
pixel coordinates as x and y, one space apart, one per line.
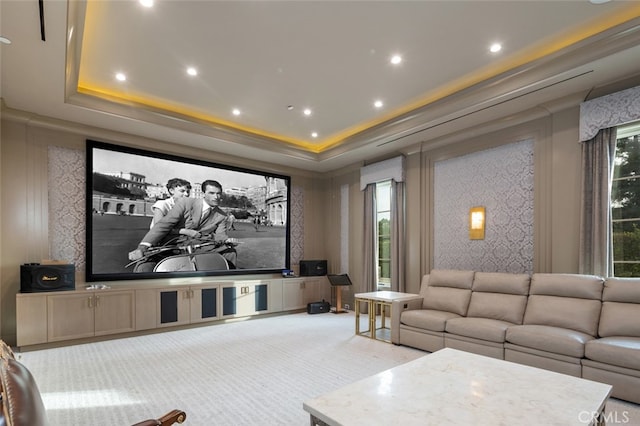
172 417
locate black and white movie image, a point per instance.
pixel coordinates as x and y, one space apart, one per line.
151 215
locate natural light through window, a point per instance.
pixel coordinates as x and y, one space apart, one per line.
625 202
87 399
383 219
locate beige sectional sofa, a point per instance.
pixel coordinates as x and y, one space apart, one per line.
581 325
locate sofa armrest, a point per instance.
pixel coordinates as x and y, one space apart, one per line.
397 308
172 417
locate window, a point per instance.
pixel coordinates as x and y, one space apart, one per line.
625 202
383 219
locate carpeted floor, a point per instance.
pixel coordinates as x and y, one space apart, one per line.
255 372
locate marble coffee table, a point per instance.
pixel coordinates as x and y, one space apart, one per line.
451 387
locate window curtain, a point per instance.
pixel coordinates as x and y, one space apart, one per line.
369 273
391 169
598 155
397 236
598 121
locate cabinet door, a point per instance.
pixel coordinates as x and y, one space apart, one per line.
204 303
174 306
316 289
70 316
146 309
31 319
293 291
243 299
114 312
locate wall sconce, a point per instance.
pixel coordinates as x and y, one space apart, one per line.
476 223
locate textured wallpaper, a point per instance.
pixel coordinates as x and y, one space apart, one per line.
501 180
66 180
297 225
66 177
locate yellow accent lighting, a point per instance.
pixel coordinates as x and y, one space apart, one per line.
476 223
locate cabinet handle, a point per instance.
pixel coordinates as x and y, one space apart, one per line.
90 301
97 301
191 294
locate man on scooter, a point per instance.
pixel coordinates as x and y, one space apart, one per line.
196 217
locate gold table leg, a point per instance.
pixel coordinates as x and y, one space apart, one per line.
357 316
372 318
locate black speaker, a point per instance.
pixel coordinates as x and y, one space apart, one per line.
312 268
35 278
318 307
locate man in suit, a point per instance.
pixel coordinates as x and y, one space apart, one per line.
195 218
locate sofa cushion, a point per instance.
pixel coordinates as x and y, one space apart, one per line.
620 315
447 299
427 319
480 328
625 290
497 306
451 278
564 312
501 282
549 339
21 400
567 285
619 319
620 351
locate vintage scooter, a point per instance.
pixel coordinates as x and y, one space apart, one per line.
193 254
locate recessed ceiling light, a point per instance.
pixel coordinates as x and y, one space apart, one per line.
146 3
192 71
4 40
121 76
378 104
495 48
307 111
599 1
290 107
235 111
314 134
396 59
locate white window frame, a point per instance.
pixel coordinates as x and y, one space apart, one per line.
623 131
383 210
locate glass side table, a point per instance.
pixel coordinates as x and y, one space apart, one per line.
378 300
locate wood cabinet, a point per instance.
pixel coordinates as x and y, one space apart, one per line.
114 312
58 316
146 309
31 319
205 303
297 292
293 294
316 289
186 305
174 306
87 314
244 298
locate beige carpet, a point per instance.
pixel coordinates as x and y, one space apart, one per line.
255 372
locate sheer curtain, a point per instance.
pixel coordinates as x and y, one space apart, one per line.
397 236
598 155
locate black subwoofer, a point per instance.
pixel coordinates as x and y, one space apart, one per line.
35 278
